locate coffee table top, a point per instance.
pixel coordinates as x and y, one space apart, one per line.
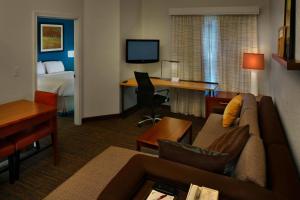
167 129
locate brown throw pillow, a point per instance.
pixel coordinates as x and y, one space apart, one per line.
193 156
232 142
219 157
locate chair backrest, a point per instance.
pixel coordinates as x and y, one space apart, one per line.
46 98
145 91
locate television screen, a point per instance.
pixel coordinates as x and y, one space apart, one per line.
142 51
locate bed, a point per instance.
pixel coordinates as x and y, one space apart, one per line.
55 79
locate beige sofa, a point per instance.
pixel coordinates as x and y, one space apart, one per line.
89 181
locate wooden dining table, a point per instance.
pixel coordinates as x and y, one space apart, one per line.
23 115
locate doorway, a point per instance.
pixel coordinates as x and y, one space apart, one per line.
57 61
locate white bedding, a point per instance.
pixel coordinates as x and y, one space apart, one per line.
61 83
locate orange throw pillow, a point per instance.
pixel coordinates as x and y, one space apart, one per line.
232 111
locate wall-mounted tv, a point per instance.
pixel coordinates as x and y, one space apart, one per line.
142 51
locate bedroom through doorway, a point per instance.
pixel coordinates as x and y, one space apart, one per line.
57 62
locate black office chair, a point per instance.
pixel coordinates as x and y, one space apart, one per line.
148 97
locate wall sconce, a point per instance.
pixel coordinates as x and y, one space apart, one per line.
71 54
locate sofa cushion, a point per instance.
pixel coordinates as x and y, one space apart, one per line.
90 180
232 111
211 130
193 156
249 102
251 165
270 124
249 117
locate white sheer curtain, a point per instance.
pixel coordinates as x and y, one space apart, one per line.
186 48
210 48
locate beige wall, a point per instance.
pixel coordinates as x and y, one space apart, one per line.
101 50
285 84
17 43
130 28
156 25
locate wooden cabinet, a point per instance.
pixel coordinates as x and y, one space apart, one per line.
218 100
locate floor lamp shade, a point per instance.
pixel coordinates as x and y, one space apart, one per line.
254 62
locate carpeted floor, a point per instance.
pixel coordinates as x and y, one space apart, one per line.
77 145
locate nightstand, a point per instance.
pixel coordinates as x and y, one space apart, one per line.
218 100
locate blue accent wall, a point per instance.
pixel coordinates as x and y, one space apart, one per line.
68 43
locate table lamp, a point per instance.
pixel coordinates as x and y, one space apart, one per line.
254 62
169 61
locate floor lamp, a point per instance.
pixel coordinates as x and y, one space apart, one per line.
254 62
161 65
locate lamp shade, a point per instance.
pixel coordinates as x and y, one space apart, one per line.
253 61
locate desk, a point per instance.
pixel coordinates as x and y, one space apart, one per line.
23 115
187 85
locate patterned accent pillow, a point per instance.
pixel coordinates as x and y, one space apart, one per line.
193 156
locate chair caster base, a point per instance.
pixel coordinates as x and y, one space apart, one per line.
149 119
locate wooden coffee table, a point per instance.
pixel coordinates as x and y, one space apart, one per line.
166 129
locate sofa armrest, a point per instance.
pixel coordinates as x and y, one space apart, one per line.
131 178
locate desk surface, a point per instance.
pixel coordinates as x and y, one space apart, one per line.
190 85
14 112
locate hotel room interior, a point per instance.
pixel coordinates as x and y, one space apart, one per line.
149 99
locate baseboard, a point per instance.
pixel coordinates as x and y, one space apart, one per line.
102 117
130 110
113 116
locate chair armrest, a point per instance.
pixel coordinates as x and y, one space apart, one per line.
141 168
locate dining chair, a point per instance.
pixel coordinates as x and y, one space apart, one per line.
24 139
7 150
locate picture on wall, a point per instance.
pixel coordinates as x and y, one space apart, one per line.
52 37
289 22
281 41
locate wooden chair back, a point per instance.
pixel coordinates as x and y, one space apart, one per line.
46 98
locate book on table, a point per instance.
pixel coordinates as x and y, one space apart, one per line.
155 195
195 193
202 193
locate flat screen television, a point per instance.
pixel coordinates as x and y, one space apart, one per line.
142 51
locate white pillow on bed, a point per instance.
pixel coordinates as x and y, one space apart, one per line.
40 68
54 66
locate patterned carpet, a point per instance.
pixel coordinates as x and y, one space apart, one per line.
77 145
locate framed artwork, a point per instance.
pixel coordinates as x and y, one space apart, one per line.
289 23
52 37
297 42
281 41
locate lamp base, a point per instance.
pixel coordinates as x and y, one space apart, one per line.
254 82
175 79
